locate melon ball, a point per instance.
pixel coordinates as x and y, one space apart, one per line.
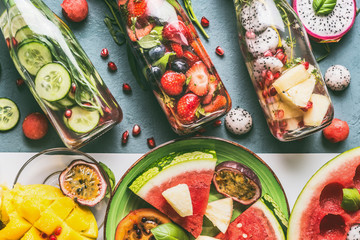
238 121
75 10
337 131
337 77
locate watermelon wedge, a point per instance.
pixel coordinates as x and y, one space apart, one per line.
257 222
195 169
317 213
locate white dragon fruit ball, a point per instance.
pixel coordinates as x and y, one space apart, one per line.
238 121
268 40
354 233
337 77
266 63
253 16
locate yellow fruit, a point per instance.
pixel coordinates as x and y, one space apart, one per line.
48 222
69 234
30 209
315 115
180 200
219 212
62 207
79 219
15 228
6 206
32 234
92 231
291 77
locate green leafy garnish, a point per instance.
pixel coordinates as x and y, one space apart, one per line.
351 199
153 39
327 48
192 16
323 7
169 231
163 61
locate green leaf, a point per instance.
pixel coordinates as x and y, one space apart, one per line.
324 7
163 61
169 231
153 39
351 199
110 175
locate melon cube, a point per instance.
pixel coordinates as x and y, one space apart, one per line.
289 111
48 222
315 115
180 200
80 218
32 234
290 78
62 207
15 228
220 212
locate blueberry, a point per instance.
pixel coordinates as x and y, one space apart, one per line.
154 74
157 52
179 65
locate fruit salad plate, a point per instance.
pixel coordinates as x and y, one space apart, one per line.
125 201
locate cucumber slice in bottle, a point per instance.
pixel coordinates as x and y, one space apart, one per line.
17 22
52 82
33 55
82 120
23 33
9 114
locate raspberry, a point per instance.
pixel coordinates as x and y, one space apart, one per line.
75 10
35 126
337 131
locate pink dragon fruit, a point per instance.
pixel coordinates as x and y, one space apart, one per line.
329 27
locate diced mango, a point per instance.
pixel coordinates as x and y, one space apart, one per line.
48 222
62 207
32 234
15 228
79 219
92 231
69 234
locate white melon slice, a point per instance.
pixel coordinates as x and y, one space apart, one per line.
219 212
289 111
291 78
180 200
315 115
300 94
206 238
293 123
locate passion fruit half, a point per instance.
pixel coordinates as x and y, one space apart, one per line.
237 181
137 224
83 182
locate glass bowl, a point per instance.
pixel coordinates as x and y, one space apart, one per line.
46 166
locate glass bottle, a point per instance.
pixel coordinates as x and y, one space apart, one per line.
58 72
283 70
175 63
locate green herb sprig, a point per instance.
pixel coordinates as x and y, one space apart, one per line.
192 16
327 48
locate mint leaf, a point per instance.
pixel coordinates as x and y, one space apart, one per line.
351 199
163 61
324 7
153 39
169 231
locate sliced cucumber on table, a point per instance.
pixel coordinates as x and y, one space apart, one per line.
82 120
9 114
53 82
33 55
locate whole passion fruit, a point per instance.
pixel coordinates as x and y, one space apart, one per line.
237 181
138 224
83 182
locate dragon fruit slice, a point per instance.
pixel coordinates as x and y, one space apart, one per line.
266 63
268 40
326 28
354 233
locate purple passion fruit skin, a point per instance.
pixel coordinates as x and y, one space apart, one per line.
83 182
238 182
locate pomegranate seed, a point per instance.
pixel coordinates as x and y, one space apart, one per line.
307 107
73 87
44 235
126 88
268 82
14 42
87 104
19 82
301 123
306 65
284 60
52 237
8 43
280 49
112 66
268 53
250 35
217 123
272 91
68 113
263 74
261 85
269 75
205 22
136 130
104 53
283 124
219 51
151 142
107 110
276 75
280 56
58 231
125 137
264 93
279 114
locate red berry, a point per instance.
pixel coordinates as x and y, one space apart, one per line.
261 85
204 22
264 93
173 82
307 107
68 113
284 60
73 88
268 53
279 114
263 74
75 10
280 49
19 82
58 231
337 131
14 42
104 53
151 142
125 137
186 108
272 91
280 56
178 32
217 123
199 79
268 82
136 130
276 75
250 35
191 58
269 75
112 66
8 43
127 88
177 49
136 8
35 126
306 65
44 235
52 237
219 51
218 103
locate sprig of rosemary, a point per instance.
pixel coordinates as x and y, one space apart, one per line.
192 16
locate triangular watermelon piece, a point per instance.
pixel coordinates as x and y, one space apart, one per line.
196 169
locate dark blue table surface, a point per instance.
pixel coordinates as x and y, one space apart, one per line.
142 108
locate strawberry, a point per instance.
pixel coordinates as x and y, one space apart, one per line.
177 32
199 79
187 107
177 49
136 8
218 103
212 88
173 82
35 126
139 32
202 54
191 58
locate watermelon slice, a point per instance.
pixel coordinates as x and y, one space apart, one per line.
317 213
257 222
195 169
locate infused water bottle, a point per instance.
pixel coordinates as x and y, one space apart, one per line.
283 70
58 72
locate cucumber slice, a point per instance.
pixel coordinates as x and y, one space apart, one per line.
52 82
9 114
33 55
23 33
17 22
66 102
82 120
